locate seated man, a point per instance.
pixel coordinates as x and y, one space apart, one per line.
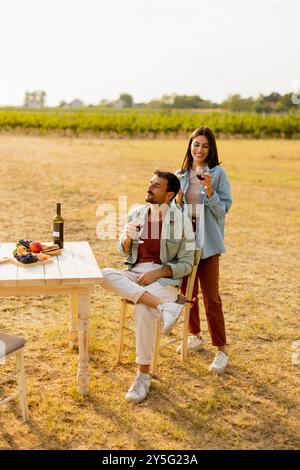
157 262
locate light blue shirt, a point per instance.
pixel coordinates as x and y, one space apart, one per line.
215 209
177 243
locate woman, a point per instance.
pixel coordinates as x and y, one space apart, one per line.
212 190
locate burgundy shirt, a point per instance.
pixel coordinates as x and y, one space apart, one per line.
150 249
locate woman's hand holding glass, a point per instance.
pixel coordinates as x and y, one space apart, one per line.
202 173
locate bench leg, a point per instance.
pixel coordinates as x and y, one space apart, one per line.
73 326
83 378
185 331
22 385
188 306
121 331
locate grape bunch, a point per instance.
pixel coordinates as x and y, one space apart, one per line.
26 258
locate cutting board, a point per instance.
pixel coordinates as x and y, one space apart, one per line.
23 265
38 263
54 252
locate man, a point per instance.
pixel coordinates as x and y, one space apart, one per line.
158 256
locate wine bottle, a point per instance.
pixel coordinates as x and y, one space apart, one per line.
58 227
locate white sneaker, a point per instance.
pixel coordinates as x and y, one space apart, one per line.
193 344
139 389
219 363
170 312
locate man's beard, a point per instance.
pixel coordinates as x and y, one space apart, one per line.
150 198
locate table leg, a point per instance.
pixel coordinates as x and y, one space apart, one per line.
73 326
83 303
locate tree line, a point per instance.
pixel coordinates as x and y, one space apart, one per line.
272 103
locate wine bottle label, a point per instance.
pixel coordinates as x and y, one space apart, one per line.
58 233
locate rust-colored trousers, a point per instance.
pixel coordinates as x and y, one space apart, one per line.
208 275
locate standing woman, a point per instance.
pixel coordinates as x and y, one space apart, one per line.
212 190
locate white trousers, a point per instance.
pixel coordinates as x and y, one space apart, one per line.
124 284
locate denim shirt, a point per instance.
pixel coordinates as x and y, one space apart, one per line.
215 209
177 243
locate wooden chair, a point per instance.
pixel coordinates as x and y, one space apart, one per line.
187 300
14 346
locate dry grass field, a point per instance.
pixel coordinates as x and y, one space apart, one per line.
255 405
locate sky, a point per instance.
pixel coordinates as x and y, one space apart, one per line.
97 49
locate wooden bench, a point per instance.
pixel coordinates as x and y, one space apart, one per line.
14 346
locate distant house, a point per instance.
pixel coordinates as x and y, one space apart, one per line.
76 104
119 104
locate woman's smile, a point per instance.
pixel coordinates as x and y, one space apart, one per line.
200 149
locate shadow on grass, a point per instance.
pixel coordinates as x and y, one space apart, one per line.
267 409
196 402
8 435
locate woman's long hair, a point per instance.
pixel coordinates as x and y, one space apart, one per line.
212 159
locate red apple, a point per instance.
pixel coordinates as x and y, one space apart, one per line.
35 247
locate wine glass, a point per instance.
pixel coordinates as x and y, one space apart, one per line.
200 172
139 222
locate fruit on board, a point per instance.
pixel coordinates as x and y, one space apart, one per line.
35 247
25 243
21 249
27 258
42 257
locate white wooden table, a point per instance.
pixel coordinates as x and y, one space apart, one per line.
75 273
